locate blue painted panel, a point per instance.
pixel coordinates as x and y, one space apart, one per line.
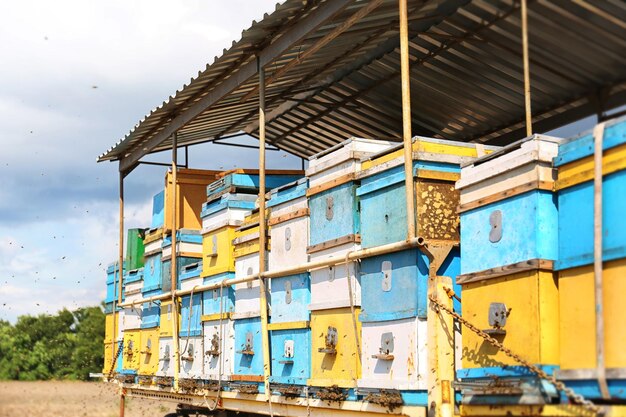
191 271
298 367
211 298
112 268
158 210
190 315
344 219
187 236
529 231
248 364
112 283
288 192
576 222
240 201
590 389
133 276
408 296
166 271
152 272
249 181
505 371
294 307
151 312
118 364
582 145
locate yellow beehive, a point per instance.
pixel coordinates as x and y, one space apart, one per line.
577 312
190 194
130 354
531 327
218 251
167 316
109 320
337 364
246 237
149 351
110 350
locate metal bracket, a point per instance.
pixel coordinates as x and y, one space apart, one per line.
288 239
249 272
248 348
215 346
214 241
329 208
386 347
386 269
288 292
330 341
495 221
497 316
189 357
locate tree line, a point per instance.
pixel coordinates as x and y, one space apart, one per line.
68 345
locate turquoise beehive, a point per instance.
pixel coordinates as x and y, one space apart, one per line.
211 301
290 298
248 347
291 356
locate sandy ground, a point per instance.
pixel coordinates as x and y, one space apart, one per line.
72 399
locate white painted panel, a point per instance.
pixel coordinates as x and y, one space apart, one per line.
186 247
329 286
247 295
225 337
289 243
224 216
166 357
407 368
191 357
188 284
154 246
130 317
289 206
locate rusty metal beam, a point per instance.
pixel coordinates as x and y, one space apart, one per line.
294 35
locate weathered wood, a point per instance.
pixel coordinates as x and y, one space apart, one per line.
529 265
331 184
286 217
249 378
353 238
534 185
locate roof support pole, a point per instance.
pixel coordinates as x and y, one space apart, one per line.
262 236
173 262
119 274
529 116
406 118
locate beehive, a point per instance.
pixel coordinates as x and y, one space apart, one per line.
218 250
190 314
153 259
218 300
130 317
248 365
166 357
518 224
130 354
247 181
289 221
166 319
290 298
190 194
134 248
149 352
109 320
112 283
188 244
219 347
329 285
150 312
191 356
291 353
334 356
228 208
110 352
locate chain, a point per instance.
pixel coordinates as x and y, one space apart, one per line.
117 355
576 398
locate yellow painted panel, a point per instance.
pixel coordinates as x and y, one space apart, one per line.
108 357
109 319
130 355
250 246
220 259
149 351
344 367
578 330
190 194
152 236
289 325
167 315
532 328
580 171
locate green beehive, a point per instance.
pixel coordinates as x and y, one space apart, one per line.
134 249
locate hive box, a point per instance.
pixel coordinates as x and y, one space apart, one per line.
158 211
247 181
190 194
575 196
334 217
329 285
291 353
166 357
130 354
227 208
218 249
110 320
218 300
110 351
112 282
395 355
134 248
289 225
190 314
219 348
191 356
150 312
290 298
188 244
153 262
130 317
248 350
167 317
181 262
149 352
342 160
334 357
518 224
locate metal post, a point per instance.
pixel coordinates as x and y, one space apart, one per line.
173 261
262 231
598 136
406 119
122 402
529 117
121 239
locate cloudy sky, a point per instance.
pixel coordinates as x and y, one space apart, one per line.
75 77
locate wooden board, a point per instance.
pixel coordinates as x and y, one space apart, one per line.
532 264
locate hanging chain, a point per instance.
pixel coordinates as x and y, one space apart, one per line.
576 398
117 355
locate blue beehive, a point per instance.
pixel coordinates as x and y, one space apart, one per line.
181 262
250 182
113 283
211 302
290 298
190 314
383 212
189 271
395 286
228 201
158 210
248 347
152 275
184 236
151 312
575 197
334 214
291 356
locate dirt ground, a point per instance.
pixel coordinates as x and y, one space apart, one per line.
72 399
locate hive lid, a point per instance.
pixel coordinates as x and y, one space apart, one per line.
288 192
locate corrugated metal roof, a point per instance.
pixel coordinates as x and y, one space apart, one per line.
466 75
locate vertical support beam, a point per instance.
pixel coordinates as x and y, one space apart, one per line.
598 136
173 261
529 117
262 234
406 118
122 402
121 241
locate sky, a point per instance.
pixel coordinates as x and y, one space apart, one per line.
75 78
